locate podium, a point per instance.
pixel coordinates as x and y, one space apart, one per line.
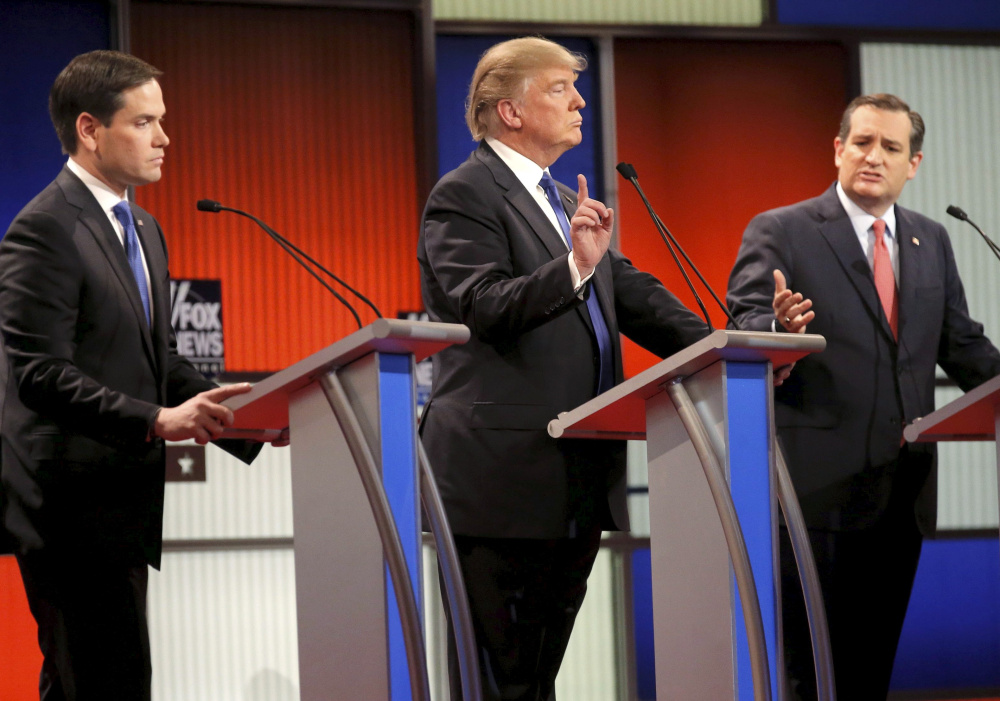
975 416
710 402
350 633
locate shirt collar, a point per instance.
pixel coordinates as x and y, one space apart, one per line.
861 220
525 169
106 197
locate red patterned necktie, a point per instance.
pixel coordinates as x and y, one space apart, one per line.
885 280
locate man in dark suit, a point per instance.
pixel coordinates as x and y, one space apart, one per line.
94 384
528 510
880 283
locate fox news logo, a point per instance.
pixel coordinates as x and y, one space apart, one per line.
197 320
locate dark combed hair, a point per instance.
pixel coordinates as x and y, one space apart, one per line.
93 83
889 103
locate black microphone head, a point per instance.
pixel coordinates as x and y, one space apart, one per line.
957 212
209 206
627 170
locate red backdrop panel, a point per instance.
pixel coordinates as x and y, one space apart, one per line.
304 117
718 132
20 658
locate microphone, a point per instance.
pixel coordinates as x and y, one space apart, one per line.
957 212
960 214
627 171
209 206
294 251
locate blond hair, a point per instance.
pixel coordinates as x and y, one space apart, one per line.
503 73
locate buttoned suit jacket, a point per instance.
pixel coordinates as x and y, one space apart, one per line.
492 260
85 375
841 413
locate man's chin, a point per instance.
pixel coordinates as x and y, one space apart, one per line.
868 192
873 202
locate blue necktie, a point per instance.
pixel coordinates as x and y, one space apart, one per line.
124 214
606 379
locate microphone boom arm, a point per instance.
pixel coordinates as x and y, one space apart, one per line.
960 214
297 254
627 171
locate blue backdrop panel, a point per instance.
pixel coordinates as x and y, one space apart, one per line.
974 15
642 606
37 39
951 638
457 56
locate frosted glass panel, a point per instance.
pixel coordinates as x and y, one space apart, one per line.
236 500
711 12
956 89
222 626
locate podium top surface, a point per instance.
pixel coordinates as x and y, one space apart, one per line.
266 405
620 412
971 417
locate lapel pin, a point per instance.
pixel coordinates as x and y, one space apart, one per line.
916 241
139 222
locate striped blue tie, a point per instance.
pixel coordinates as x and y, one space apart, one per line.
124 215
606 379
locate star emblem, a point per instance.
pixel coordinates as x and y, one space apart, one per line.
187 464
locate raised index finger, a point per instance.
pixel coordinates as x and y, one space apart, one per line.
779 281
218 394
582 193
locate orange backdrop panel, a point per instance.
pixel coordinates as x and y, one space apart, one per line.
303 117
718 132
20 658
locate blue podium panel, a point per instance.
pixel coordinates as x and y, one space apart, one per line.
753 487
707 416
351 642
400 477
351 411
699 621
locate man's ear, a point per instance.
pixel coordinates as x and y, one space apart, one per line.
86 131
510 114
914 164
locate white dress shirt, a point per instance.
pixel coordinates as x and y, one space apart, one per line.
107 199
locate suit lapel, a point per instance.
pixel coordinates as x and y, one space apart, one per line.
910 264
839 234
552 240
94 219
523 202
159 302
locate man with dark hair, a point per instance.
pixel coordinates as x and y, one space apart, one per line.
94 384
880 283
525 263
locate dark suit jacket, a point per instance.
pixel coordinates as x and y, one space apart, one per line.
84 377
491 259
841 414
